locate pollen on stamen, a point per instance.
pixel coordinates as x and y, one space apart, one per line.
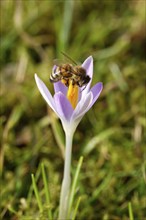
73 94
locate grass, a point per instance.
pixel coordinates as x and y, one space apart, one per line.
111 136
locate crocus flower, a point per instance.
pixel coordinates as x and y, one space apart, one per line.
70 104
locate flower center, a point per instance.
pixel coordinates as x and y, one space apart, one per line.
73 94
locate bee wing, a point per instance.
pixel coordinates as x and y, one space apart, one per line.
69 58
58 62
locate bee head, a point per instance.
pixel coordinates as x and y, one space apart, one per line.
84 81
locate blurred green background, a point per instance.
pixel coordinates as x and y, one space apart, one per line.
110 136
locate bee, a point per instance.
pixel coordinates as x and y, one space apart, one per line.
62 72
70 73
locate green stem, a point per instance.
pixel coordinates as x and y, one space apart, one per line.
65 189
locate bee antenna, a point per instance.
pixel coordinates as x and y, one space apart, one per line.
68 57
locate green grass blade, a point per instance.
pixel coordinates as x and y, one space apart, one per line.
37 175
76 208
72 193
36 193
66 25
47 193
130 211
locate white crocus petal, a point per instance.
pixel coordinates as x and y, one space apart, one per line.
86 106
78 113
82 106
45 93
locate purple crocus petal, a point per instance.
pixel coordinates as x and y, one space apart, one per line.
45 93
96 90
82 106
60 87
64 107
88 65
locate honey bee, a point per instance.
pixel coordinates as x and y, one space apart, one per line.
70 73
